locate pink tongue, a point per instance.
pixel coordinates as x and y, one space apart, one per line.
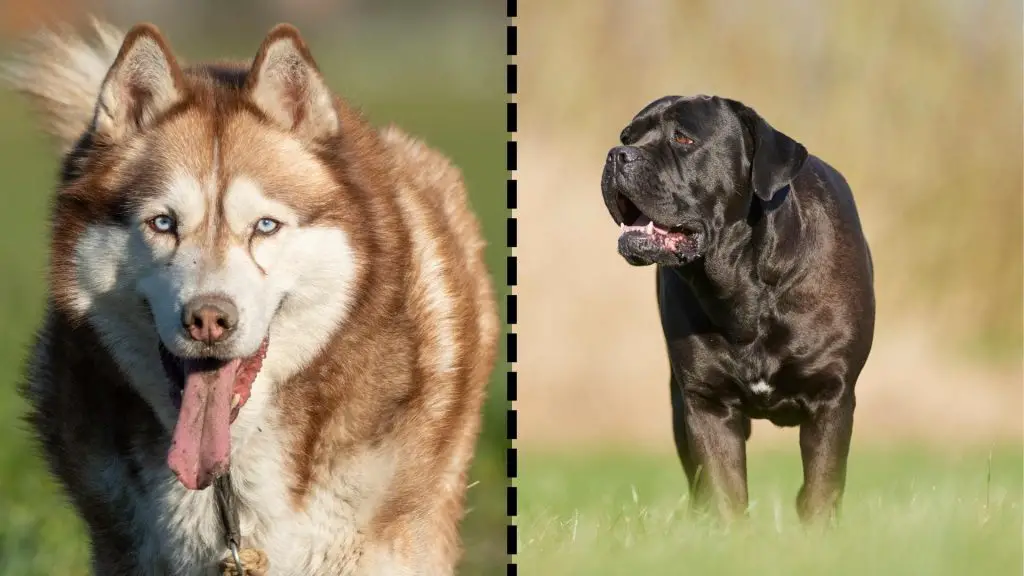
201 444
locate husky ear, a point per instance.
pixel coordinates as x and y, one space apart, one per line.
143 82
287 86
777 158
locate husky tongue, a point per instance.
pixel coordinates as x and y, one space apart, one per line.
201 444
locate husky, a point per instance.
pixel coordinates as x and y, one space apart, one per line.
265 316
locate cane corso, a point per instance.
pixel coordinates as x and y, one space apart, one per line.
764 283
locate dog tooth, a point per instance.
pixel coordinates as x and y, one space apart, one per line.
235 400
650 228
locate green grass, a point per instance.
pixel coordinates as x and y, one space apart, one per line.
906 512
39 533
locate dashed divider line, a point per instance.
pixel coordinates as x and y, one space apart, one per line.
511 281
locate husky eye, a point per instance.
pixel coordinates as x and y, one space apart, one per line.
162 224
267 226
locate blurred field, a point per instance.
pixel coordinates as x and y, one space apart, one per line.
397 69
907 511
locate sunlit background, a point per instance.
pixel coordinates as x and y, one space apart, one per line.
435 68
918 103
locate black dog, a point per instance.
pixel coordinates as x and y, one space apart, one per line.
764 285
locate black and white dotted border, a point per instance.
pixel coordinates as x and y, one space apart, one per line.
511 89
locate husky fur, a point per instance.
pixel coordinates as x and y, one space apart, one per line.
368 311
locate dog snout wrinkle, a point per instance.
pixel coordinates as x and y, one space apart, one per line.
209 319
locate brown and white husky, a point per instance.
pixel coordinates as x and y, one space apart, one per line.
247 277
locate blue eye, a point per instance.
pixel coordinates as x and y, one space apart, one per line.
267 226
162 224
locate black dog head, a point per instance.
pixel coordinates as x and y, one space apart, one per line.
688 167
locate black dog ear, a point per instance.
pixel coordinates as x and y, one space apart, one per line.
777 157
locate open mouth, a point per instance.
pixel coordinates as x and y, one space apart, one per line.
245 371
209 393
636 224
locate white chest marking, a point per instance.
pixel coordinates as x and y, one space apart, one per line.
761 388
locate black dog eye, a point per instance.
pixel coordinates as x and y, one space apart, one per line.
681 138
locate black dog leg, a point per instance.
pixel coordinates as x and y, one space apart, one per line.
824 447
716 437
681 436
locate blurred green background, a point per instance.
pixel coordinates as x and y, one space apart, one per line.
434 68
918 104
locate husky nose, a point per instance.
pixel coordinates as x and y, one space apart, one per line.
209 319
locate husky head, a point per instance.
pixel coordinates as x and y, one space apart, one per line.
208 228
